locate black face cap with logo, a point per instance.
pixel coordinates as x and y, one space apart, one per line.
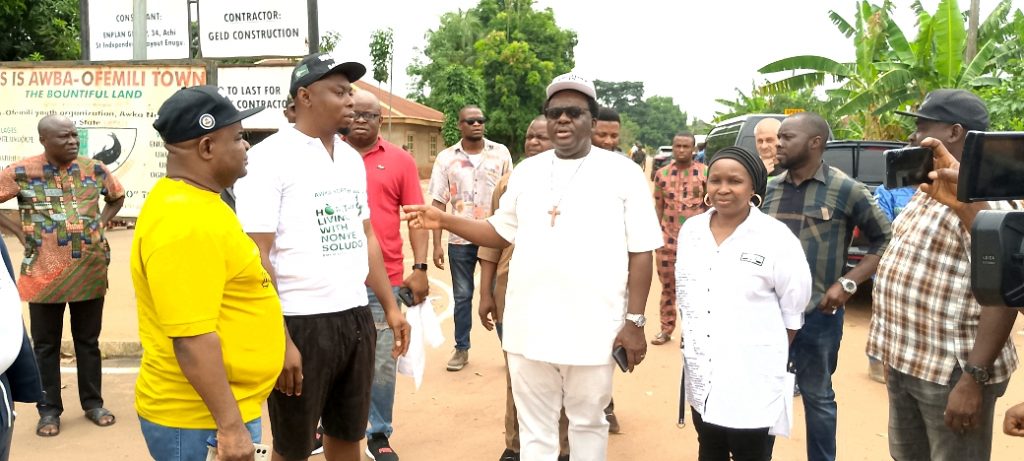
954 107
195 112
316 66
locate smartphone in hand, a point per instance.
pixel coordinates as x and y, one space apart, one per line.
619 354
405 296
908 167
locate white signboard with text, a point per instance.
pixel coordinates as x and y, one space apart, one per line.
110 30
257 86
230 29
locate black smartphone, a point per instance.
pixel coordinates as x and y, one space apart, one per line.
991 167
619 354
908 167
405 296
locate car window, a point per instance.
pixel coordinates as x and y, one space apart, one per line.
840 157
722 137
871 168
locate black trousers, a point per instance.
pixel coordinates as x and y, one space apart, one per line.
47 326
716 443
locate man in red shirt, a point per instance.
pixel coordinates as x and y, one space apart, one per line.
392 180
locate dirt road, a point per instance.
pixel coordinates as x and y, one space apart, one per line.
458 416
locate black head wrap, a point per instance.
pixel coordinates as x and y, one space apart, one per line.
752 163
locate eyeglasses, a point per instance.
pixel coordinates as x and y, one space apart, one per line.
368 116
555 113
474 121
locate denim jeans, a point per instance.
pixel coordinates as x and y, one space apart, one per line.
815 354
173 444
917 427
462 259
382 394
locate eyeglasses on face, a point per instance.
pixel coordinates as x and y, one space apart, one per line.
368 116
475 121
554 113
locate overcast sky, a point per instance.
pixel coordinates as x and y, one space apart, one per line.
692 50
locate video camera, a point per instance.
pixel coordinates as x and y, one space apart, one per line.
992 169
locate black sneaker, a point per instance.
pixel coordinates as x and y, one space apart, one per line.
509 455
379 449
318 441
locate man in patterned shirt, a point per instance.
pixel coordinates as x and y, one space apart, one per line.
66 258
948 359
822 205
465 176
679 190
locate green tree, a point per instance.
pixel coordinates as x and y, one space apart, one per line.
621 96
382 53
39 29
508 44
762 101
1005 106
662 119
456 87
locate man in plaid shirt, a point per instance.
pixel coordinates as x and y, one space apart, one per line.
947 358
822 205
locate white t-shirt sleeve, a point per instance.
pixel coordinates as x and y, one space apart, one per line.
258 194
505 219
643 233
12 328
792 279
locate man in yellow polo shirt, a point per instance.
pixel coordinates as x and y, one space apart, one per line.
209 317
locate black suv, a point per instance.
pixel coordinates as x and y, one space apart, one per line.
863 161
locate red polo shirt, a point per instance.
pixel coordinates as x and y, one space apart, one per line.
392 180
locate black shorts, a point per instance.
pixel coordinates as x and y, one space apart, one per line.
337 373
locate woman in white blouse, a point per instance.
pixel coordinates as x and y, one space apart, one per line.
742 285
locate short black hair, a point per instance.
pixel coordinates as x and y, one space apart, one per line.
468 106
607 114
592 105
686 134
816 124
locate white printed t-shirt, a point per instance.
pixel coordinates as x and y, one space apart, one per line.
316 207
566 297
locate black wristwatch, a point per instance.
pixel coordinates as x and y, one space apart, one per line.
420 266
980 375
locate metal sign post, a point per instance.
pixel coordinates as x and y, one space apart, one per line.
139 34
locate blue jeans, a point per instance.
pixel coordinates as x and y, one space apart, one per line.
462 259
173 444
917 426
382 393
815 354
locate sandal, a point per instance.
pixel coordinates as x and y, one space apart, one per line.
96 415
48 421
661 338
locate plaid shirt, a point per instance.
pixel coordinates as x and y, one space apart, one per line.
925 318
832 205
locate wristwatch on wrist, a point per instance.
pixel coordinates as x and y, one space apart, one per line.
979 374
638 319
849 286
420 267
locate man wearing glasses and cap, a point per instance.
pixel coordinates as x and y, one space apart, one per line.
947 358
304 204
209 320
465 176
557 204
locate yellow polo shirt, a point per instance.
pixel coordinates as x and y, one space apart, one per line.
195 272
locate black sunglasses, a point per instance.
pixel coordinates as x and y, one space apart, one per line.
554 113
474 121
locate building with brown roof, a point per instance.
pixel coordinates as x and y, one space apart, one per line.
409 124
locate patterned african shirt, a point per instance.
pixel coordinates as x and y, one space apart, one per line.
681 193
66 255
467 187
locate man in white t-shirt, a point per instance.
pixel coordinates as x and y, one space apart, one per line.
304 204
584 228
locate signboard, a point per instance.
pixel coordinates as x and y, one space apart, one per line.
253 28
110 30
257 86
113 107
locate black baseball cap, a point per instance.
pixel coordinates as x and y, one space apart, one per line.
953 106
316 66
193 112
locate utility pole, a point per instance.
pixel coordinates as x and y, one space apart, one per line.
972 32
314 26
139 34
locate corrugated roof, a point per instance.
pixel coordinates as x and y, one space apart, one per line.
399 106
